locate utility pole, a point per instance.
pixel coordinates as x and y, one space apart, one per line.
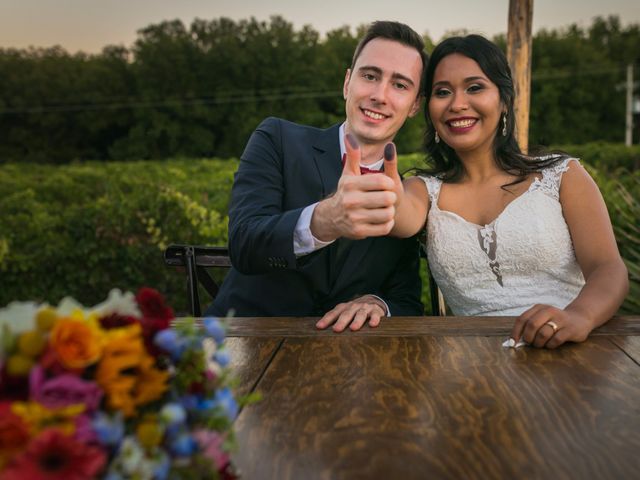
628 134
519 55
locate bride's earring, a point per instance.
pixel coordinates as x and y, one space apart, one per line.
504 125
437 137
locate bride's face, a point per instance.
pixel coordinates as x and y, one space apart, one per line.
465 106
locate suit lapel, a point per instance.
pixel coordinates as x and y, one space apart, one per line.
345 256
327 159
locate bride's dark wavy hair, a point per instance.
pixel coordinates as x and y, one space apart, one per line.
444 161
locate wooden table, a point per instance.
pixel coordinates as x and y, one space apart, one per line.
435 397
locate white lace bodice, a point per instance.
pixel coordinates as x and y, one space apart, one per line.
525 256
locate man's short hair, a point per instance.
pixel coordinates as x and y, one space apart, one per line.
398 32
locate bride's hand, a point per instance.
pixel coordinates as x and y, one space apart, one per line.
391 170
550 327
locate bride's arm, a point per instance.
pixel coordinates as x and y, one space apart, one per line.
606 277
411 208
412 202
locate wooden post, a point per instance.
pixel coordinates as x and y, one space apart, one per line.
519 56
628 135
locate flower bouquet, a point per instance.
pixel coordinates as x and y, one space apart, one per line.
113 392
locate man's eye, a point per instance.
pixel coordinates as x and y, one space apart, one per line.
368 76
401 86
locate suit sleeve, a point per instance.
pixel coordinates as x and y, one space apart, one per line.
260 232
403 289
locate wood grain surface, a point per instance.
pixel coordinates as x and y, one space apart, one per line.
250 358
351 407
407 326
631 346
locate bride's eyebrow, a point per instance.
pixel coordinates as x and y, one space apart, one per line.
475 78
466 80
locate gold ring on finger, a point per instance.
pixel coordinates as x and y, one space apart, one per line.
553 325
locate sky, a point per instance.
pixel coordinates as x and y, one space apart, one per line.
89 25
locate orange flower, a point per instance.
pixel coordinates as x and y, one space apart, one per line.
77 342
127 373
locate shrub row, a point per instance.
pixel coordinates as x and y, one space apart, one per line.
82 229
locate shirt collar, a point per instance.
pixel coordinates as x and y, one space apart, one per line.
374 166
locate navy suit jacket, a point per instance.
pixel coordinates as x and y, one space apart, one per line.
286 167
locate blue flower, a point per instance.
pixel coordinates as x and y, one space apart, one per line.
173 414
224 399
222 357
214 329
183 445
109 430
161 467
190 402
169 341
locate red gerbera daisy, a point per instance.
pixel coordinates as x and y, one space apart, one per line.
116 320
152 304
156 316
55 456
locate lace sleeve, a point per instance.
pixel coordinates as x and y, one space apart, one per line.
549 184
433 187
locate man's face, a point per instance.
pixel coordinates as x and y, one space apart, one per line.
382 90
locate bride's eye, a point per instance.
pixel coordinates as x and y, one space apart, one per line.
441 92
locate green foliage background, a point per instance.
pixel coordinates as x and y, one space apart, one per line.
82 229
199 90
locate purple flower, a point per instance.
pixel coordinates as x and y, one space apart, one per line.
63 390
84 430
214 329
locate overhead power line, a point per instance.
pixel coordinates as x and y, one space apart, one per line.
255 96
168 103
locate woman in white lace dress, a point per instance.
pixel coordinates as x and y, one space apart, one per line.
507 233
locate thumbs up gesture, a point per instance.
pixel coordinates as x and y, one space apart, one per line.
363 205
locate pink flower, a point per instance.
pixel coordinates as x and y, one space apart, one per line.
63 390
210 444
84 430
55 456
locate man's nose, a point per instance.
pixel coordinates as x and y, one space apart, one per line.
380 91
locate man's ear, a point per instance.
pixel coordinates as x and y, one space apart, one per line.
345 87
415 108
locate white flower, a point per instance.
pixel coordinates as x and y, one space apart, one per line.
118 302
68 306
132 462
19 316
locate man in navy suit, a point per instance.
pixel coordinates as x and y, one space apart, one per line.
304 230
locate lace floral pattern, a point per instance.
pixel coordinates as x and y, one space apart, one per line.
525 256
